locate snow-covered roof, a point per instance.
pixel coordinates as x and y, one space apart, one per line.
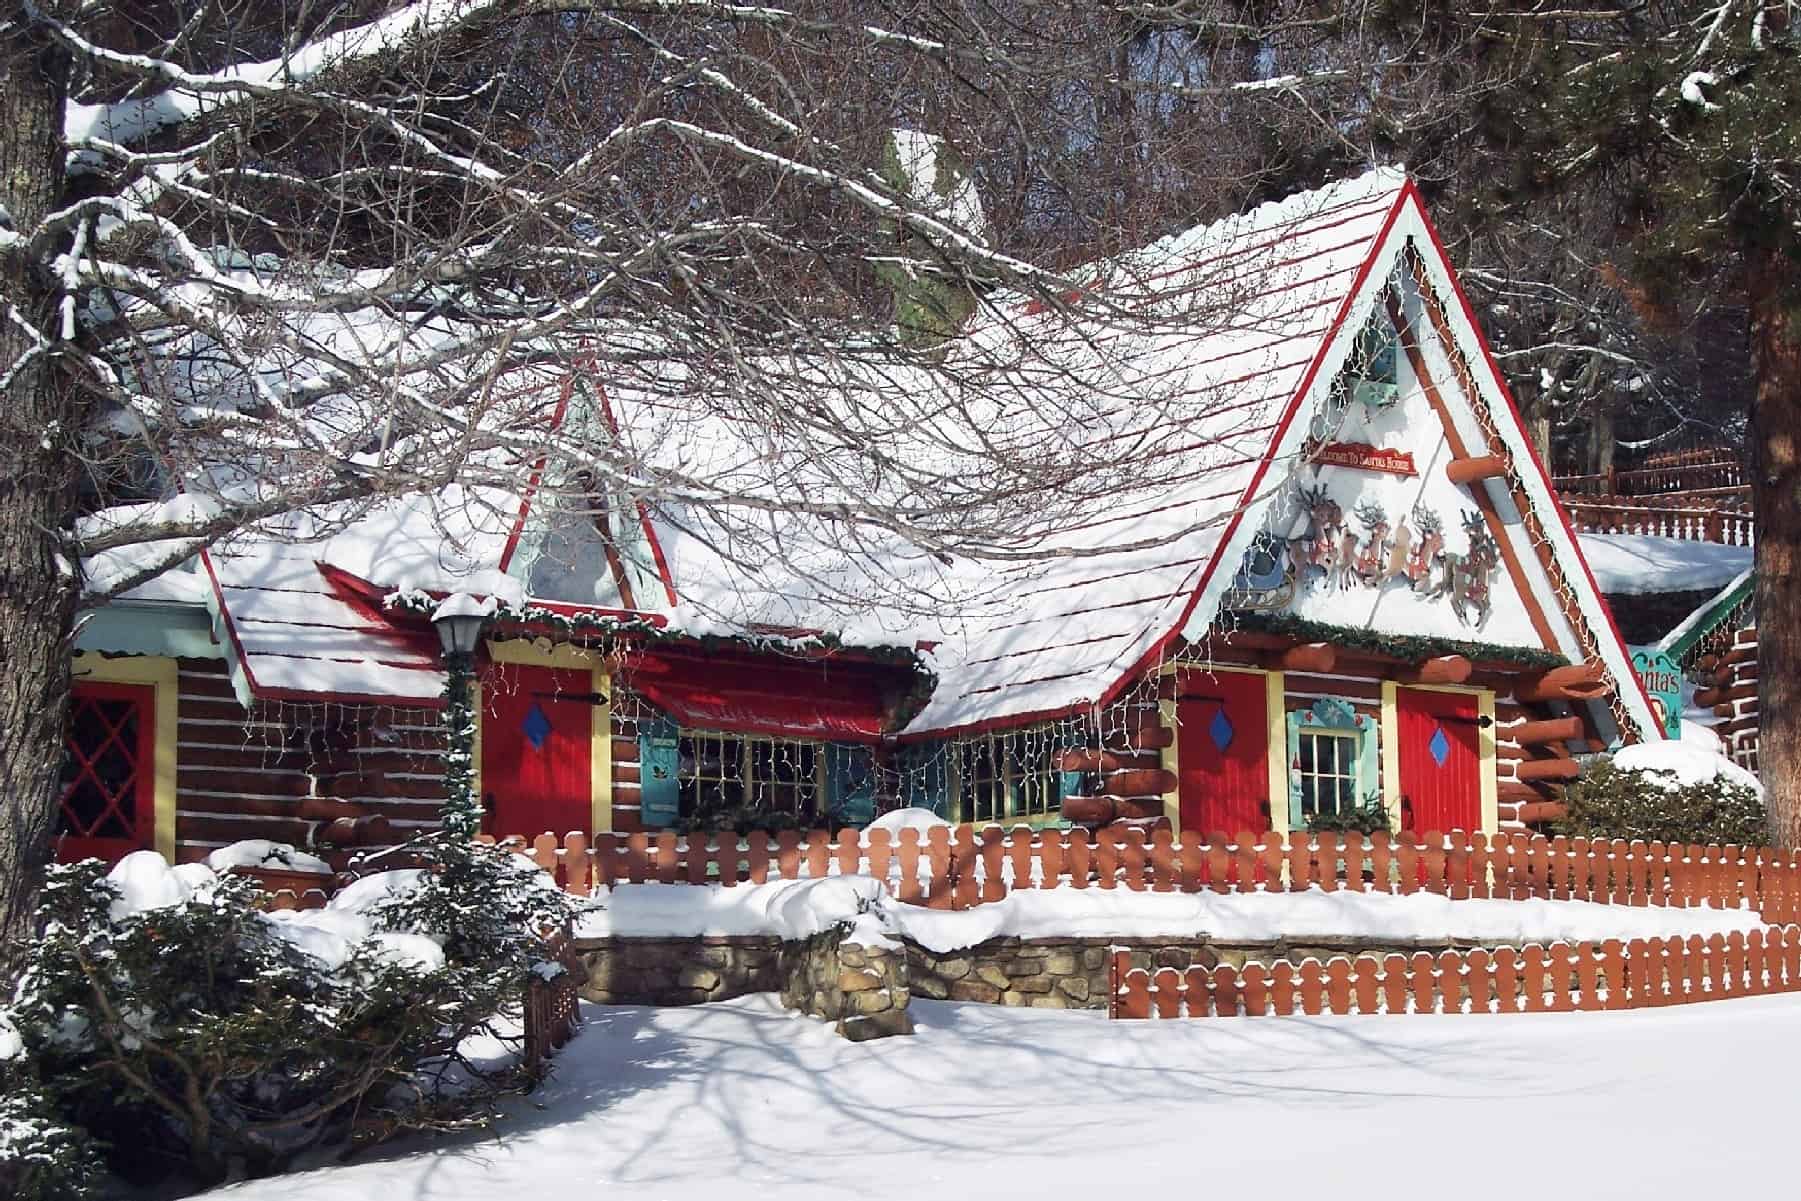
1222 337
1643 564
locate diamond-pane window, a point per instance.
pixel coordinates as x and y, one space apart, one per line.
536 727
1440 746
1220 729
106 784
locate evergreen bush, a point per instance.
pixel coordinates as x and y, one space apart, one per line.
1368 818
204 1038
1607 802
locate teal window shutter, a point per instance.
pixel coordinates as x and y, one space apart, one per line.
850 783
659 790
1069 783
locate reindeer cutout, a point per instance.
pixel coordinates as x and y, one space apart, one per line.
1367 567
1426 551
1319 545
1465 578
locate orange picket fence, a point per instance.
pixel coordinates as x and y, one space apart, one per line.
960 868
1559 978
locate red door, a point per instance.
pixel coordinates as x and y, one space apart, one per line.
1222 753
537 735
109 773
1441 761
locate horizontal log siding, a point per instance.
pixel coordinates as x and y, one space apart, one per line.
243 773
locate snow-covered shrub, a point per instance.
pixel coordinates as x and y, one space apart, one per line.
187 1031
42 1157
1610 801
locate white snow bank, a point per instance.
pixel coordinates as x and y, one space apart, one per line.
1673 764
332 936
896 820
1699 736
792 909
1640 564
146 882
787 909
261 852
363 895
11 1045
1263 917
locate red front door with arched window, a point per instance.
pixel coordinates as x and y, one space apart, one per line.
109 773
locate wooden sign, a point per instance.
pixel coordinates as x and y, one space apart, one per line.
1365 457
1663 682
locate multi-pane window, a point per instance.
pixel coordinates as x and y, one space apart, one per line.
1007 777
736 773
1326 768
106 777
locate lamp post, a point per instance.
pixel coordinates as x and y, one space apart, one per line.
459 619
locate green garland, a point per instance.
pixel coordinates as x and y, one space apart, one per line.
462 808
1409 647
639 629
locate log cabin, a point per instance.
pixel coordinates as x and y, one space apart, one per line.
1336 579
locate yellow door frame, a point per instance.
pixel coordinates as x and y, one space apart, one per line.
1488 790
163 676
1275 693
541 652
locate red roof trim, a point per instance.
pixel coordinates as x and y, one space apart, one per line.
1513 410
1161 645
537 475
231 629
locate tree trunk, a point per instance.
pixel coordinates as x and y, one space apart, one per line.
38 422
1601 440
1776 500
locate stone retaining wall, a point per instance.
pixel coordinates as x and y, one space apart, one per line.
863 989
679 971
866 990
1071 973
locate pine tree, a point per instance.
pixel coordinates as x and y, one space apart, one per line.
1693 111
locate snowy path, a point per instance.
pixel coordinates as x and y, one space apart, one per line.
742 1100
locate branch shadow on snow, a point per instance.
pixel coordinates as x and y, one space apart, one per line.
661 1098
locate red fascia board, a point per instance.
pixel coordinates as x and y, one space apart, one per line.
1469 316
537 475
231 629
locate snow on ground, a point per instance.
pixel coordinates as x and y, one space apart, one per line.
1639 564
743 1099
801 908
1671 763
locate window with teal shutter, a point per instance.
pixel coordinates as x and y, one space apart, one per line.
850 783
1069 783
659 745
926 778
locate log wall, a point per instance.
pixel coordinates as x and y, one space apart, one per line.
285 772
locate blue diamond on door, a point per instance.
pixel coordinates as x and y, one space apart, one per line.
1440 746
536 727
1220 730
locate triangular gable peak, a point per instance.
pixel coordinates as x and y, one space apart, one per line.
1443 462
